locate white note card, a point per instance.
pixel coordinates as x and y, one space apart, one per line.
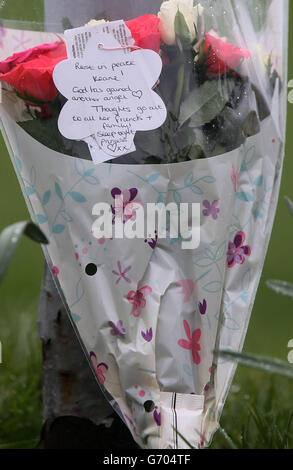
109 91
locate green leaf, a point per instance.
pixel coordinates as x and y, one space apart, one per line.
46 197
184 137
281 287
206 102
41 219
181 28
258 181
151 143
58 191
247 197
153 178
58 228
47 133
10 238
77 197
290 205
273 366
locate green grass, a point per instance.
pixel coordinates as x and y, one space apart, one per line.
258 413
20 384
259 406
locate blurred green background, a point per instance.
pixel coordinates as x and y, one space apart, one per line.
271 325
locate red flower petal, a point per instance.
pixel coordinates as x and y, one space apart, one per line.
183 343
30 72
145 32
187 329
223 56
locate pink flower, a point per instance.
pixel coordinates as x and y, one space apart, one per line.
145 31
235 177
100 368
55 270
187 288
30 72
192 343
125 207
237 251
222 56
137 299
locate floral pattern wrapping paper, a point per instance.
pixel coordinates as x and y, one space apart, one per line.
149 314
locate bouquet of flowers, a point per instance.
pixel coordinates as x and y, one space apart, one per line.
213 105
150 314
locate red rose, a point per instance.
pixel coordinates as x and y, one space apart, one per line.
30 72
145 32
223 56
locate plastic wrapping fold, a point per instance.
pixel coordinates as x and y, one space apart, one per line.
149 314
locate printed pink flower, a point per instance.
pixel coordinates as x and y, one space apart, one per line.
235 177
55 270
100 368
125 207
187 288
192 343
237 251
122 273
138 299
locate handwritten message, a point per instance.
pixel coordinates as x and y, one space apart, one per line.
110 96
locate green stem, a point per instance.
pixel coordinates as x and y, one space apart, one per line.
186 85
179 91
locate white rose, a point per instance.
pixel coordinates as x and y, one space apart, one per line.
92 22
167 16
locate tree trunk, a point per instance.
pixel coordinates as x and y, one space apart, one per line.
62 14
75 412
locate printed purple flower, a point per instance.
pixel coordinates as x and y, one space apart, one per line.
211 209
237 251
157 416
148 335
152 242
118 329
202 307
124 207
121 273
